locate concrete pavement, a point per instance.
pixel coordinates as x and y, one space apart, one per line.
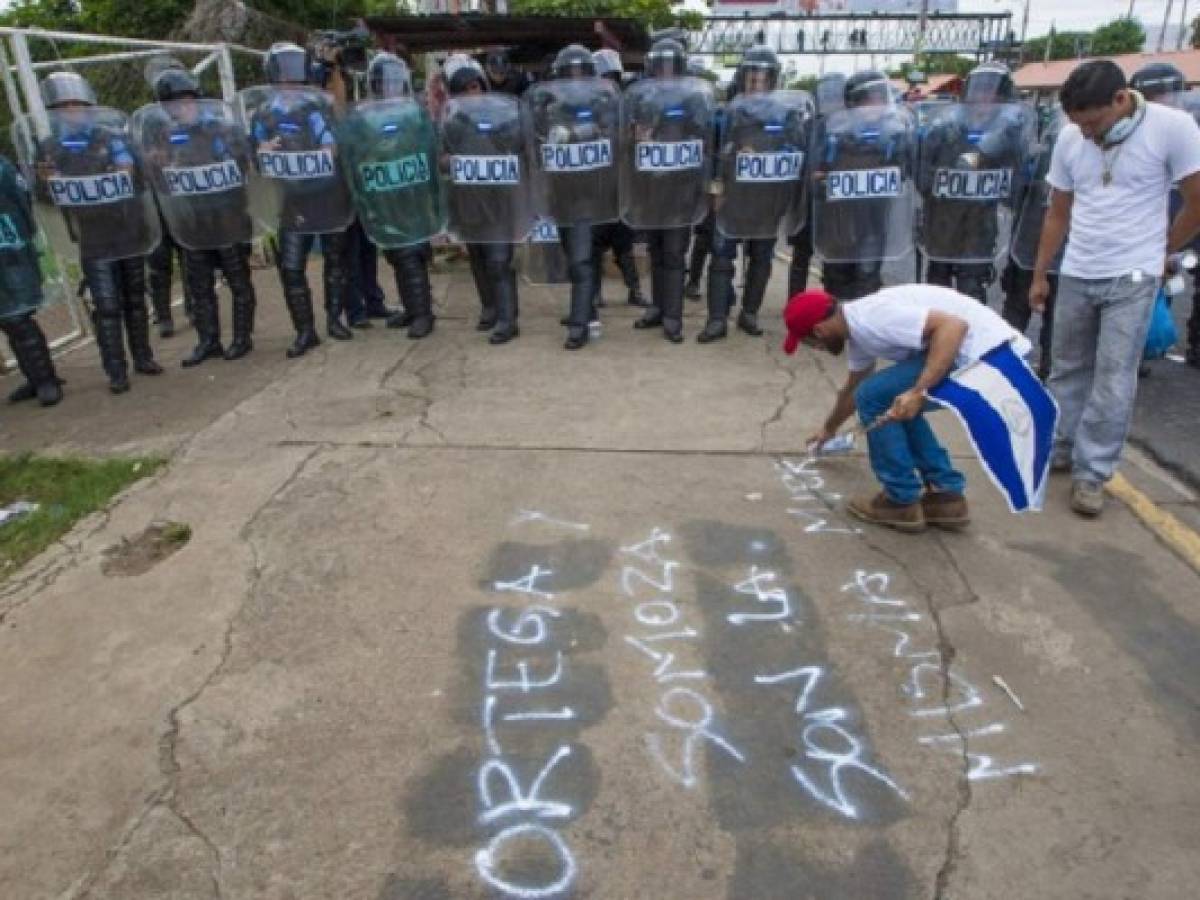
463 621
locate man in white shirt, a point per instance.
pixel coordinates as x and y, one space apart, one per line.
926 331
1111 174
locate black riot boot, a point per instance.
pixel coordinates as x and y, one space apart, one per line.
506 310
298 298
758 273
110 341
34 360
581 264
653 316
720 286
160 263
137 317
334 276
416 294
670 283
236 266
629 273
208 330
483 287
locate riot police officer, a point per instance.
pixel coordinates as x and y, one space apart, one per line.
863 205
288 121
183 132
972 157
483 144
1163 83
615 236
390 140
830 97
669 118
503 77
21 292
761 150
113 237
575 123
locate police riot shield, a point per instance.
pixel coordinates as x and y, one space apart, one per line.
666 141
1035 200
972 159
297 181
89 189
488 187
764 142
198 162
575 126
20 275
389 152
862 185
544 261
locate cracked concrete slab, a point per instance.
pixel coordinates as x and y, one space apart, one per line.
463 621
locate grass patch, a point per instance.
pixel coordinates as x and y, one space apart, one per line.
66 491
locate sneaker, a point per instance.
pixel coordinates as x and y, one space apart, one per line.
882 510
1087 498
945 509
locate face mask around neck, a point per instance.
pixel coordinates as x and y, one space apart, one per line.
1126 125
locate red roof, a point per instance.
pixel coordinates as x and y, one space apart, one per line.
1051 75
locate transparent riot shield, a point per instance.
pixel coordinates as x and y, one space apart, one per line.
89 189
972 159
666 143
390 154
762 166
488 183
297 181
198 161
863 185
1035 200
543 260
20 273
575 126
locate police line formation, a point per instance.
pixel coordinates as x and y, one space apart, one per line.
850 175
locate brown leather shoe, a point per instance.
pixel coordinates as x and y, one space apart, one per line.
882 510
945 509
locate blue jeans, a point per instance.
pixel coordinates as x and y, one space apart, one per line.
1099 334
904 455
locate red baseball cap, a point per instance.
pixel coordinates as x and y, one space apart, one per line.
802 314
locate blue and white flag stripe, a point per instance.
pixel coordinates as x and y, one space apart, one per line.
1010 418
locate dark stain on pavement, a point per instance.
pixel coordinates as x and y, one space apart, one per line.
574 563
1114 586
767 870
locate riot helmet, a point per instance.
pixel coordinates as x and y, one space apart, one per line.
868 88
989 83
757 72
175 84
1156 79
59 88
573 61
831 93
608 64
461 72
286 63
388 78
666 59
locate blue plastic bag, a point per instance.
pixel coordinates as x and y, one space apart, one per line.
1162 335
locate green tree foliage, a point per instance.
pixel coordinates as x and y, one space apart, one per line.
936 63
1063 45
654 13
1118 36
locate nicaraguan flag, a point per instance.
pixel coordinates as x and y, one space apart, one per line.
1010 417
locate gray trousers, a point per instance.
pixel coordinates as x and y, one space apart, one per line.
1099 334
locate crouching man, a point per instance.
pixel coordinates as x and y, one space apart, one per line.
926 332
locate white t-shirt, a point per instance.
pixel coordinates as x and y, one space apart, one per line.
890 323
1120 228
